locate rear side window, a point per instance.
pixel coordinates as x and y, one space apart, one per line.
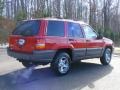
74 30
55 28
27 28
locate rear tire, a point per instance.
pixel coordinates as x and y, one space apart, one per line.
61 64
106 58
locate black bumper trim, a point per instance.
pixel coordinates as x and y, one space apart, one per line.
37 56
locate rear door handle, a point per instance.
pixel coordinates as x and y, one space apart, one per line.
71 40
88 40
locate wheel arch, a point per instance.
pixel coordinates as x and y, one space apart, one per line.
110 47
67 50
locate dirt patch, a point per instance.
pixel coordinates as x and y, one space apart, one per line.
117 50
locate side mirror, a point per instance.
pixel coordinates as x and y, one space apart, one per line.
100 36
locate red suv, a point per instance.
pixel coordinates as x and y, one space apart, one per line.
59 42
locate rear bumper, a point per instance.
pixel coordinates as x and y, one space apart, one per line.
45 56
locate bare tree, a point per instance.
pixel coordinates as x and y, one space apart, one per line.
101 14
1 7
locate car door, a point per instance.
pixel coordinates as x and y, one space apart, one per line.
76 40
93 44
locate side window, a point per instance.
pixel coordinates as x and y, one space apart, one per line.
55 28
74 30
89 32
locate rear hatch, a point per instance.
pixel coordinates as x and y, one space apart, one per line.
23 38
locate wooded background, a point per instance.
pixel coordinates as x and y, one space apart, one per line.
102 15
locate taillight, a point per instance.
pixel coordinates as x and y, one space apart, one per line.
40 44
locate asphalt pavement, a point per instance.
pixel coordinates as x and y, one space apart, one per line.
87 75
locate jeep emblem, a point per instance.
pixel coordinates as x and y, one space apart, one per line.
21 42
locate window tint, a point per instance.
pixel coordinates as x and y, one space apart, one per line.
74 30
27 28
55 28
89 32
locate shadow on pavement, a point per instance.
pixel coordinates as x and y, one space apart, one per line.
81 75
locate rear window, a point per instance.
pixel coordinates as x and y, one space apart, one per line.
27 28
55 28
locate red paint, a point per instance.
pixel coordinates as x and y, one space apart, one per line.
54 43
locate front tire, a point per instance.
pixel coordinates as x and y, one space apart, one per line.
106 58
61 64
